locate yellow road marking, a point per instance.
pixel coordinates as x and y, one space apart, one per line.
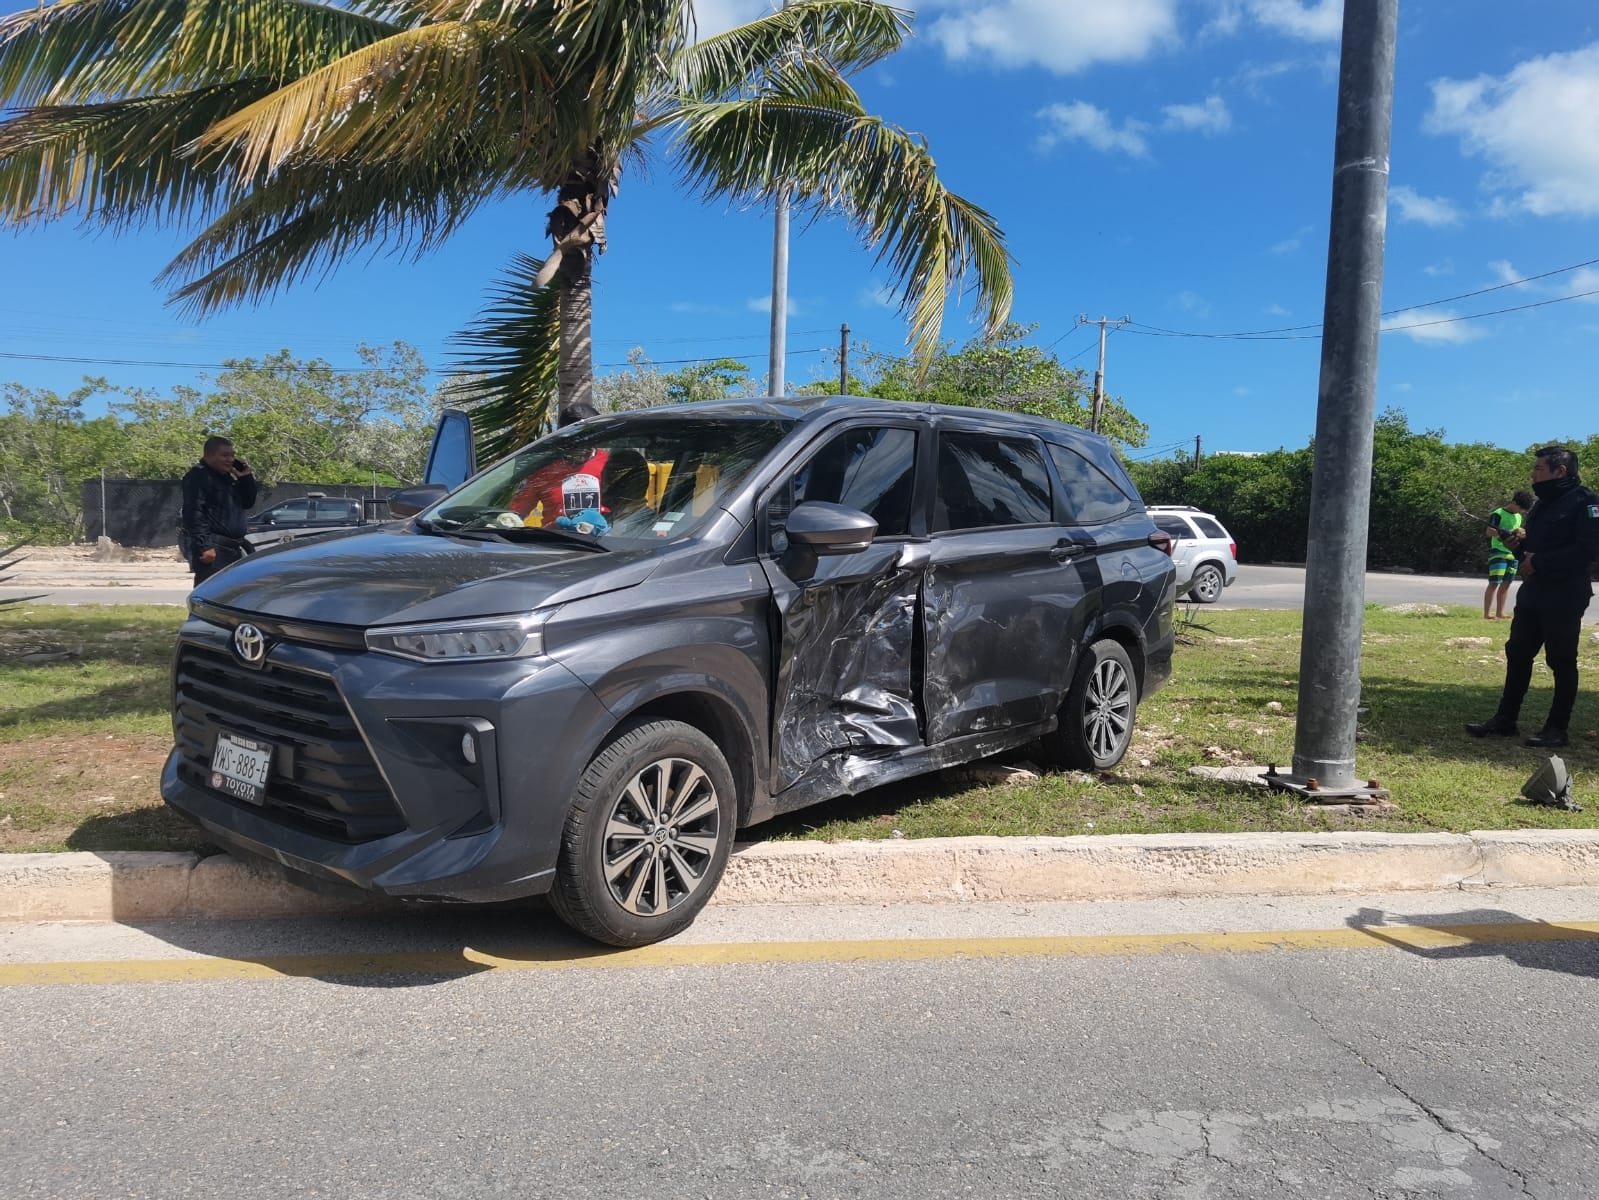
467 960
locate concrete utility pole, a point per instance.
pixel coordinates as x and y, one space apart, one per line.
1099 376
777 374
777 369
1340 491
843 359
1197 458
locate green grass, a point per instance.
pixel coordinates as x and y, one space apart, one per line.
82 738
1423 678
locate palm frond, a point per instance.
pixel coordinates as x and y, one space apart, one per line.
510 370
87 51
849 34
308 219
404 98
813 140
120 163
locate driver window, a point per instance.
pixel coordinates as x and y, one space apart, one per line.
870 469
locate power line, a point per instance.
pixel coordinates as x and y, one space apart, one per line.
1287 333
321 369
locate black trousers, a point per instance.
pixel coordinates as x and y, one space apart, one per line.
226 555
1551 621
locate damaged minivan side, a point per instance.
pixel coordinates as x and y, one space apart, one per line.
585 668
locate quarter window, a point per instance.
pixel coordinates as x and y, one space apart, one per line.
985 481
1210 529
1091 497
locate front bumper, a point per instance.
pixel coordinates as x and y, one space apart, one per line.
369 784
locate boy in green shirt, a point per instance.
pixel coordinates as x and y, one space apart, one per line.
1504 533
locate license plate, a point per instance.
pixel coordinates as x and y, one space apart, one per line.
240 766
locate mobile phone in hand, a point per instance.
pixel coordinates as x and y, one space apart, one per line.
239 465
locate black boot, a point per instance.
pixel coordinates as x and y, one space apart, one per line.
1548 739
1493 727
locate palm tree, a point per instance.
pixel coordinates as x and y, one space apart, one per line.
288 135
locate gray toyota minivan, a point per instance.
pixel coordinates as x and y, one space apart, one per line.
582 670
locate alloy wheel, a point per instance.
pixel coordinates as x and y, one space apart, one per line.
661 836
1108 709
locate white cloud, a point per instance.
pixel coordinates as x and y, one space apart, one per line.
1309 20
1437 326
1535 129
1447 267
881 296
763 304
1404 387
1062 36
1193 304
1504 272
1286 246
1082 122
1424 210
1277 310
1585 280
1207 118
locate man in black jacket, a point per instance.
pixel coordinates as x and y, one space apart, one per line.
216 493
1558 544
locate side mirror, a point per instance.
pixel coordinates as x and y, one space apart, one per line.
825 528
407 502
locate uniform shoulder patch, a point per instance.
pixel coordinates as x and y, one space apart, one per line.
1593 511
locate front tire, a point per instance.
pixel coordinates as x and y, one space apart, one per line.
1096 722
648 835
1207 585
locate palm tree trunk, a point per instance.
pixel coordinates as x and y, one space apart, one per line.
575 375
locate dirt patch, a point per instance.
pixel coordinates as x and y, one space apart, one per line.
89 793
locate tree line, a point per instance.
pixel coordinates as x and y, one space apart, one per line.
1430 499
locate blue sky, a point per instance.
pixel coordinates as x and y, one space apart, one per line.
1165 160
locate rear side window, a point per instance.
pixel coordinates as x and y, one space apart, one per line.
294 510
1091 496
337 510
873 470
984 481
1210 529
1175 526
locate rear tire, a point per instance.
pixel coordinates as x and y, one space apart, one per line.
648 835
1096 721
1207 585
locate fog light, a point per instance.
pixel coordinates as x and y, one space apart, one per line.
469 748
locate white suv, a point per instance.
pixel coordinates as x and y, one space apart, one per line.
1205 553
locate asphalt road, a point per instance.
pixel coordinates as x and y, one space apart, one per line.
1255 587
1431 1045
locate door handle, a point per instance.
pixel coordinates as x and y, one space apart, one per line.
1065 549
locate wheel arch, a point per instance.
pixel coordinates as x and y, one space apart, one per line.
718 720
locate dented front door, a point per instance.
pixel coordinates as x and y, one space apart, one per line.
845 679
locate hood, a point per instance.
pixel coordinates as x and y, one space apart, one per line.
395 575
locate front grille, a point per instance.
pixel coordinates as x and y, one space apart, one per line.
323 779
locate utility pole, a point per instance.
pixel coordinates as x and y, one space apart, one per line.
777 370
1340 490
1196 449
1099 376
777 374
843 359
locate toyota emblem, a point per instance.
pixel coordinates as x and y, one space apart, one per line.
250 642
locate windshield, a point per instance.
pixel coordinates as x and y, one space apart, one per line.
643 479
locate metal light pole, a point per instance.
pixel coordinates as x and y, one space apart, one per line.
777 374
777 370
1340 493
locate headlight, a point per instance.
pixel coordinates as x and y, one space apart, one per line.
462 641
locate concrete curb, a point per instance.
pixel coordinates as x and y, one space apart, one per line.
146 886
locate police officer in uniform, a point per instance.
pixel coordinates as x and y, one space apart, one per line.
1558 542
